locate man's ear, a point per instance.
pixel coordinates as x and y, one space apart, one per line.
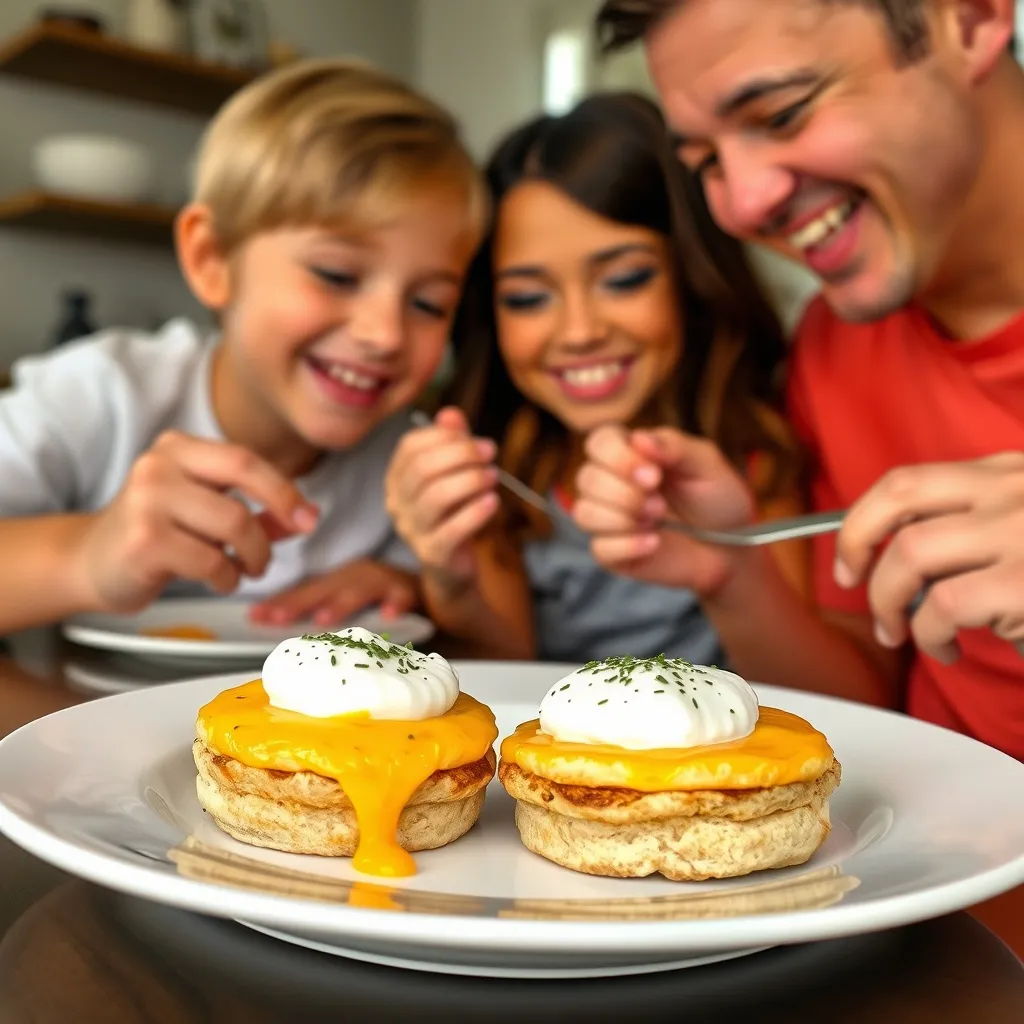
202 260
981 30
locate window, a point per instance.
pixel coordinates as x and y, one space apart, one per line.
565 70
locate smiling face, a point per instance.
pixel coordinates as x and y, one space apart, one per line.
327 333
815 138
587 319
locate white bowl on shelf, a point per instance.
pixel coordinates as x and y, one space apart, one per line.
105 168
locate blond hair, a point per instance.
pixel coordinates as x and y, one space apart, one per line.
325 142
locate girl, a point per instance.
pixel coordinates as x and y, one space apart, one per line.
603 295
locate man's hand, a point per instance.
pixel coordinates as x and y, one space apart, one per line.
335 596
955 533
633 479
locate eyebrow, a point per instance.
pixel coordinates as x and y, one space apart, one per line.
596 260
751 92
758 88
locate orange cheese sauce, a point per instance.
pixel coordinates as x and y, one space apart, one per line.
378 764
185 632
782 749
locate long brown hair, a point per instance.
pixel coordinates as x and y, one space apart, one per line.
612 155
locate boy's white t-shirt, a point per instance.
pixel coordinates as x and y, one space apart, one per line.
76 419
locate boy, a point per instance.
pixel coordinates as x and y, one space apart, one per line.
334 216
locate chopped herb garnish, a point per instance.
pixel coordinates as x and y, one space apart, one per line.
605 701
334 660
695 704
378 651
622 668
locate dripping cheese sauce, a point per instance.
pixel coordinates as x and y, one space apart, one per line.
378 764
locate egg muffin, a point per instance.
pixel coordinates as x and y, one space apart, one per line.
644 766
350 746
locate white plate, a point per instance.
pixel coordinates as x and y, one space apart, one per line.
238 638
925 822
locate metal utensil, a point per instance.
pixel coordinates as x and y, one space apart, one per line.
770 532
506 479
752 535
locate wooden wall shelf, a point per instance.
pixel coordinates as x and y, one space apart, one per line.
98 63
142 223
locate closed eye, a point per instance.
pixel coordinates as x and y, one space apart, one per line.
631 281
431 309
335 278
785 118
523 301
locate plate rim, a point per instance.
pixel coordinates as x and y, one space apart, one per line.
505 972
79 632
492 932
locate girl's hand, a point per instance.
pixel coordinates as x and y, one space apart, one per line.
335 596
440 492
174 519
633 479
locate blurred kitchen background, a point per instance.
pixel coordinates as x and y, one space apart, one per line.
85 222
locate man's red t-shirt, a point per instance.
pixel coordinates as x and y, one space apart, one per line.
866 398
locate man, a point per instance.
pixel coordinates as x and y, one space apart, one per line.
880 143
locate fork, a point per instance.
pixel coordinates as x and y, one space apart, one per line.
753 535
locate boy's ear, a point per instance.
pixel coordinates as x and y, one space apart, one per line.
982 30
203 263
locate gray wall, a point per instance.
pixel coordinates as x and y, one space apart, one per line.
134 285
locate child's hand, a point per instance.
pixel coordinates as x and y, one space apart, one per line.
633 479
174 520
440 492
335 596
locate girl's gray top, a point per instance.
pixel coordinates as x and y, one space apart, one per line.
583 612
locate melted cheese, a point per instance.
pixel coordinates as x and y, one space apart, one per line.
378 764
782 749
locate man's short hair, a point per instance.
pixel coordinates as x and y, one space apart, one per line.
620 23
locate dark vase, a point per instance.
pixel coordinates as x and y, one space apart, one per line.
76 321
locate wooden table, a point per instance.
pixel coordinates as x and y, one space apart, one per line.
71 951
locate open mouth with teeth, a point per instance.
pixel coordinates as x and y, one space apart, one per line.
827 242
347 384
593 381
